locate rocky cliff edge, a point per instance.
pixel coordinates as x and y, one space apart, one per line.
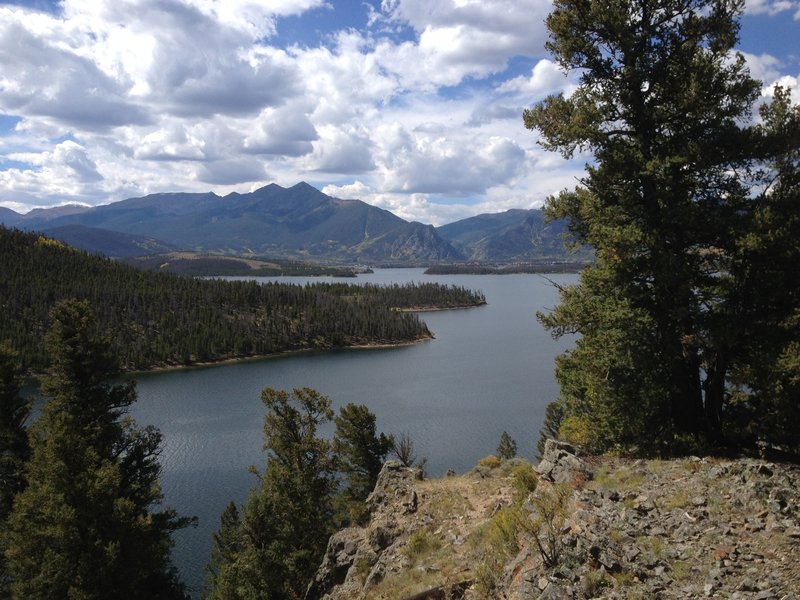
578 527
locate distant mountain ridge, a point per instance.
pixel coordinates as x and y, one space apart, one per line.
516 235
298 222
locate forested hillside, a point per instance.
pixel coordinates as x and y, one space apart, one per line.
158 319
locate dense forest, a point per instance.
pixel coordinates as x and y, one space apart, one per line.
160 319
213 265
409 296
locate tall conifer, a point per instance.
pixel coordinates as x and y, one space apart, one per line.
14 447
84 527
286 521
676 203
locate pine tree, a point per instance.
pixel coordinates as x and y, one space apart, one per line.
14 447
507 448
359 449
225 549
553 416
83 527
671 205
286 522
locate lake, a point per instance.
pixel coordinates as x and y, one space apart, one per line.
488 370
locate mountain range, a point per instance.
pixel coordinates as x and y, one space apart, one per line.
298 222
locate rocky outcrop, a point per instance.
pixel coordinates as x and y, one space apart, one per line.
561 464
667 530
356 558
695 528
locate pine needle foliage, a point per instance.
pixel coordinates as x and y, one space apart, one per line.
688 319
87 524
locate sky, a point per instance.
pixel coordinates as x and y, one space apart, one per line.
414 106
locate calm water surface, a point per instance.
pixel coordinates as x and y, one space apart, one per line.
489 369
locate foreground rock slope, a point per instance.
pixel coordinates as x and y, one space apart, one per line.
593 527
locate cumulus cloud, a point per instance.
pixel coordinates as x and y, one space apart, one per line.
413 163
170 142
232 171
66 174
284 131
764 67
41 78
342 151
74 157
788 82
493 112
457 39
546 78
418 112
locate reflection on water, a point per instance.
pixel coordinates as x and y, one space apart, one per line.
489 369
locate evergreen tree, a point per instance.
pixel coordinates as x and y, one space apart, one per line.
672 207
553 416
507 448
14 447
83 527
287 521
225 549
360 450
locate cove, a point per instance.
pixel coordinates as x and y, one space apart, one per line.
489 369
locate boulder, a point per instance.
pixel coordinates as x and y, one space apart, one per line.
561 464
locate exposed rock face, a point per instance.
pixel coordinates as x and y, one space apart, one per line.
356 558
679 529
561 464
695 528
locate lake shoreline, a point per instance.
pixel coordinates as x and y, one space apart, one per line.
36 377
280 354
489 371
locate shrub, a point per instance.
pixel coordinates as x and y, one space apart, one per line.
551 514
490 462
524 481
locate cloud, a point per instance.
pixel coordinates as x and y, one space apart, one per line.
546 78
170 142
764 67
346 81
232 171
73 156
788 82
67 173
769 7
342 151
285 131
43 78
486 114
440 165
459 39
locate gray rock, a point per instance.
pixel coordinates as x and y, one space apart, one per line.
381 537
339 557
555 591
560 463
